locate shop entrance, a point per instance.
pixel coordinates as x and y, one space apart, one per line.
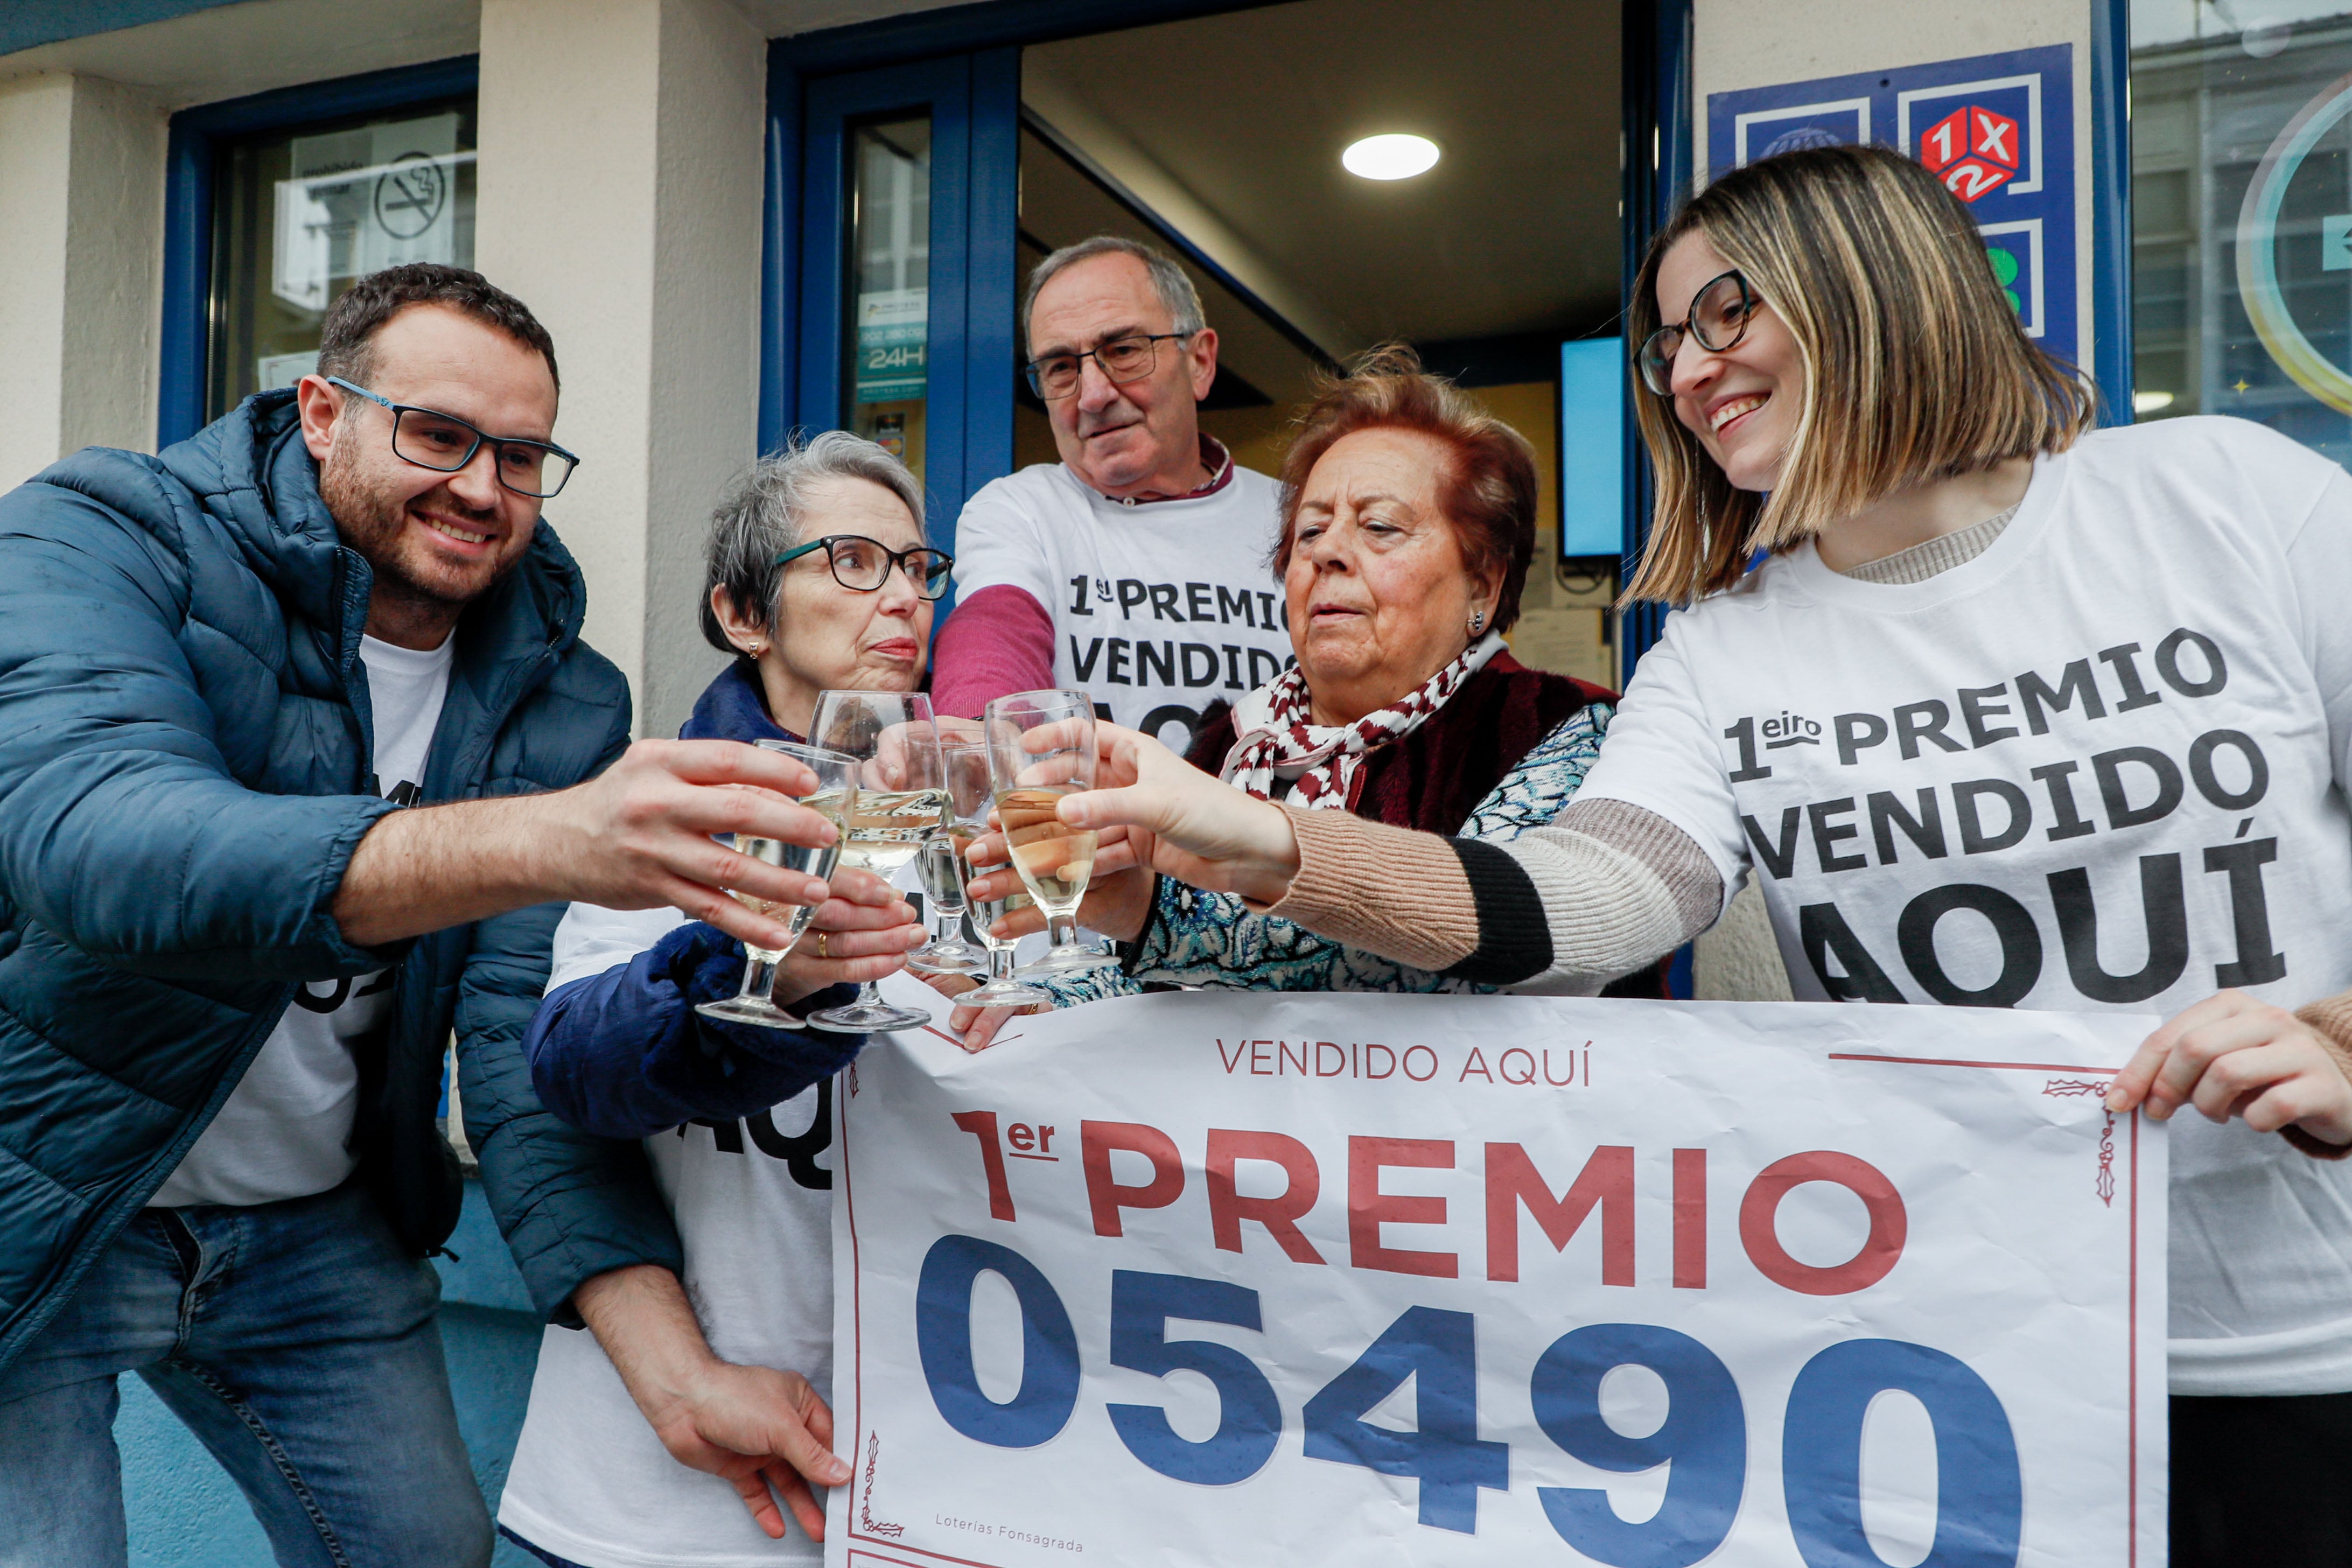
929 190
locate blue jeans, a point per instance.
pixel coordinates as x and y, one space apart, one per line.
298 1342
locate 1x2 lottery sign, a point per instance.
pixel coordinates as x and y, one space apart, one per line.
1213 1280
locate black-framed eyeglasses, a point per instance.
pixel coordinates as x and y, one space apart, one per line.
444 443
863 564
1123 359
1719 318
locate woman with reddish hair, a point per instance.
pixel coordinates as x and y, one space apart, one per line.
1408 524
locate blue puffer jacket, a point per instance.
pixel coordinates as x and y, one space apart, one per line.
185 750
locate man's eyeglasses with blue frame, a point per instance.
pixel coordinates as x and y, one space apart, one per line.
445 444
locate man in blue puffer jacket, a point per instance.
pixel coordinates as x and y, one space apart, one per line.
230 960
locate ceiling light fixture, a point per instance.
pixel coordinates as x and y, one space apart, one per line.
1392 157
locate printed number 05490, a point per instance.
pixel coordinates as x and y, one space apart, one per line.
1980 1497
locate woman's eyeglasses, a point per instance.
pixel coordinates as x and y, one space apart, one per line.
1720 314
863 564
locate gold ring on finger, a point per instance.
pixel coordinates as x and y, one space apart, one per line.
820 947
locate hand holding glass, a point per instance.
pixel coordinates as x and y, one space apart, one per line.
834 796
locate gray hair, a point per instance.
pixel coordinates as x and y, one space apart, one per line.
767 512
1168 280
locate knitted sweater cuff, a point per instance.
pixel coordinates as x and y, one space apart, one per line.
1389 891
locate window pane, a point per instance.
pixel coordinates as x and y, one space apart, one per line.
890 276
2241 187
298 215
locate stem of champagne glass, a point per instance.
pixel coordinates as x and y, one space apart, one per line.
760 974
1062 931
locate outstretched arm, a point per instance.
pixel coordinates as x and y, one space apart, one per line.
638 835
1600 891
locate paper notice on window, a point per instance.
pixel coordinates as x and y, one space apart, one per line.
358 201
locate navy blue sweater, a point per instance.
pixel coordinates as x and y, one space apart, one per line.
625 1054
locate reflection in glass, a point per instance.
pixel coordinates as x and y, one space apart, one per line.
297 216
889 259
2241 194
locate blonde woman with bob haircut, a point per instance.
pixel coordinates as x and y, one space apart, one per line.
1997 712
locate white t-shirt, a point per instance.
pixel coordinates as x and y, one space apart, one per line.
285 1131
753 1202
1159 608
2133 712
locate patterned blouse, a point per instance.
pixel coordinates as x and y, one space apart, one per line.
1196 937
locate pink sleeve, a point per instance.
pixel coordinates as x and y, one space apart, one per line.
998 641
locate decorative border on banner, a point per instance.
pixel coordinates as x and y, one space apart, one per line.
860 1485
2131 1333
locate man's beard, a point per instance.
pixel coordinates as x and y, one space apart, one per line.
373 524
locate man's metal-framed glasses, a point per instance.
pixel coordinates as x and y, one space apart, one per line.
863 564
1123 359
444 443
1719 318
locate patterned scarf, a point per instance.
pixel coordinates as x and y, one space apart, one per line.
1279 740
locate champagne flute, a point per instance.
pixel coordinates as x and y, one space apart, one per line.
963 757
1040 747
834 796
969 795
1002 990
901 802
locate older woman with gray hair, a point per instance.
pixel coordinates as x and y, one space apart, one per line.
817 577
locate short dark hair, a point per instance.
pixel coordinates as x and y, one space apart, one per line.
346 338
1487 490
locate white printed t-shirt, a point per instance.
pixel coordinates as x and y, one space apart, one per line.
2100 765
285 1131
753 1202
1159 608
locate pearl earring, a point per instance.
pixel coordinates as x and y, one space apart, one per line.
1477 622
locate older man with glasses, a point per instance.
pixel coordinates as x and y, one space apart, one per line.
300 752
1135 569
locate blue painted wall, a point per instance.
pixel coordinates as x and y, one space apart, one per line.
26 23
184 1512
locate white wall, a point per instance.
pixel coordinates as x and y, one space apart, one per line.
621 183
81 212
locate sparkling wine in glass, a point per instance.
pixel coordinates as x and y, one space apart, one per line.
966 756
963 757
835 793
1040 747
1002 990
902 803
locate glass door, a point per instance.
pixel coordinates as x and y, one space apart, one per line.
907 283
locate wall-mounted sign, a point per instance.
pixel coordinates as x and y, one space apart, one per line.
893 333
358 201
1998 129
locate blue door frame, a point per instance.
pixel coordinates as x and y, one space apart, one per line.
973 100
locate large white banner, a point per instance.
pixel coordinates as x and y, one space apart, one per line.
1252 1279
